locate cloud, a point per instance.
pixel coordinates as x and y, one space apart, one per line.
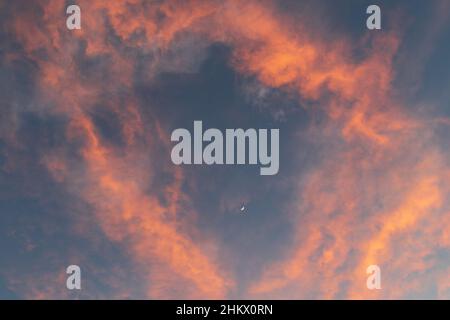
111 177
375 195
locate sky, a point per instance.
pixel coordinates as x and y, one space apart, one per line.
86 176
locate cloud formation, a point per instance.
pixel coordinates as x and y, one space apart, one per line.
376 192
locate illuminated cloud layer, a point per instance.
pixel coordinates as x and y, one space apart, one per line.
85 150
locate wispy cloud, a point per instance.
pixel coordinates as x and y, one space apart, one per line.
376 194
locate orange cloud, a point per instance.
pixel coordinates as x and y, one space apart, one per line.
113 182
379 181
